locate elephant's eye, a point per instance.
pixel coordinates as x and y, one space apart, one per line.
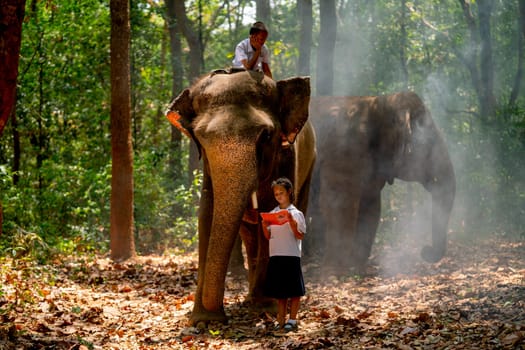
266 149
265 136
264 143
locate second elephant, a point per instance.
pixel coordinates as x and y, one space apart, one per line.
363 143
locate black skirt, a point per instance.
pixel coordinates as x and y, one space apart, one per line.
284 278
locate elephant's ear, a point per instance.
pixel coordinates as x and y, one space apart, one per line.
294 98
180 113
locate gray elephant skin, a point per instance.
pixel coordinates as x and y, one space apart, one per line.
249 130
364 142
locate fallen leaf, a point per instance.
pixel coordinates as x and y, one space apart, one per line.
324 314
125 289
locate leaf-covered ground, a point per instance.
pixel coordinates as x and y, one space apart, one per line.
472 299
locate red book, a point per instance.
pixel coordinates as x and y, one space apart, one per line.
278 218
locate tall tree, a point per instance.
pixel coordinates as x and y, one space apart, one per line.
196 60
325 54
305 32
487 98
11 18
519 71
482 81
521 53
478 56
192 38
262 12
122 242
176 83
403 43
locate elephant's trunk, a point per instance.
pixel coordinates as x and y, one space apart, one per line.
443 189
234 174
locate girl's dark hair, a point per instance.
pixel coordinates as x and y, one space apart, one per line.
287 184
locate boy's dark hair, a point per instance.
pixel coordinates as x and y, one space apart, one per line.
258 27
286 183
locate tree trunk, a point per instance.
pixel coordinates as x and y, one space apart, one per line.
403 44
521 40
192 38
404 69
472 53
176 85
11 17
16 148
488 100
325 55
194 163
40 140
262 12
160 120
122 242
196 60
305 32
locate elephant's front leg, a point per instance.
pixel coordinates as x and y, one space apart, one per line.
368 221
339 205
443 193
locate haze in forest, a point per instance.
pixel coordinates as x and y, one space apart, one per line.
406 224
58 137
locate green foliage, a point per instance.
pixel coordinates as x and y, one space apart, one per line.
184 229
58 196
69 213
489 171
26 244
165 212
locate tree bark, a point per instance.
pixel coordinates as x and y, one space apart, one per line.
521 40
488 100
11 18
262 12
325 54
305 33
16 148
470 58
122 242
196 60
176 84
186 27
403 43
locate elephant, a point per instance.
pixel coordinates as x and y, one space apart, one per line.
250 130
364 142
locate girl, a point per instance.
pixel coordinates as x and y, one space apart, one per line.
284 279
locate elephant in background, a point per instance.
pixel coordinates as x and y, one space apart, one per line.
362 143
249 130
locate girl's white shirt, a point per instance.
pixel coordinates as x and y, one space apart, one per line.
282 238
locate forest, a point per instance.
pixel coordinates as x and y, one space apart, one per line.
464 58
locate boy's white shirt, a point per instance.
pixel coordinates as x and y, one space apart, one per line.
282 238
244 50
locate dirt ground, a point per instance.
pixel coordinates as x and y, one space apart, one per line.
473 299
